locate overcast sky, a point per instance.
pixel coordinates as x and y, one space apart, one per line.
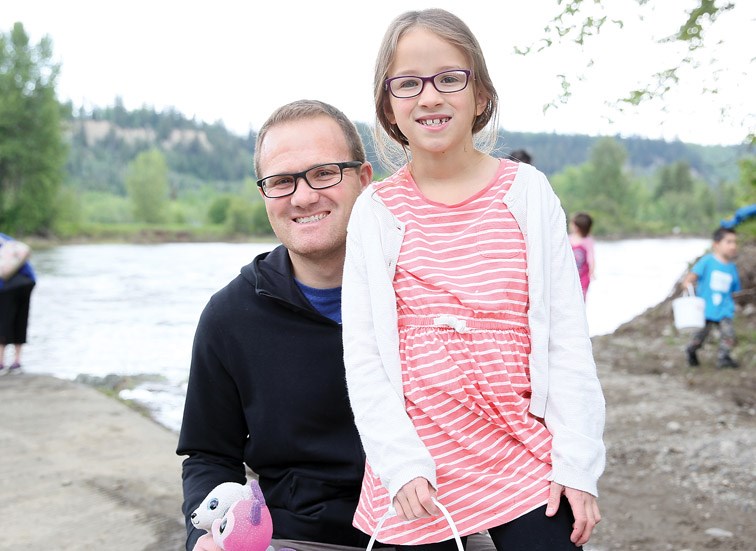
236 61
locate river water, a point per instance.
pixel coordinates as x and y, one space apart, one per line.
132 309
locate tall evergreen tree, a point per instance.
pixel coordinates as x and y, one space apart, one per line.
32 149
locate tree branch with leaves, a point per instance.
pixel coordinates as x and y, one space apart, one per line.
697 40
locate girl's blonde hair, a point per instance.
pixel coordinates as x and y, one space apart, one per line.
391 144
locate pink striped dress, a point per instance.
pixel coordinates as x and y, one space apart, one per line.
462 299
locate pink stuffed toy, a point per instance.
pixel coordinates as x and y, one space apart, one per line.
246 526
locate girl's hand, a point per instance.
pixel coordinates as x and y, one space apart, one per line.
415 500
206 543
584 508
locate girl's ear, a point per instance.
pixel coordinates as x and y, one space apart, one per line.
481 102
388 112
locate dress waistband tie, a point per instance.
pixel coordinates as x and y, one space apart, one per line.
459 324
447 320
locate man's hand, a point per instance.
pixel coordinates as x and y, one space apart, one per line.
206 543
415 500
584 508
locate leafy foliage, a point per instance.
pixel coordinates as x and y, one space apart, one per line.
622 203
577 23
147 185
618 179
32 150
552 153
195 153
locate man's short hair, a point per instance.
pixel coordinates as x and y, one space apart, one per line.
304 109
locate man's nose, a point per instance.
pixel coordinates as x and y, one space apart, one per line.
303 194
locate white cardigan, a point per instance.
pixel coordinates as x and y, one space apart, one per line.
565 389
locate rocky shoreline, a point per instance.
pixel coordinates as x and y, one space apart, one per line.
681 441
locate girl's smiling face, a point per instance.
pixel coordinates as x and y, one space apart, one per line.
433 122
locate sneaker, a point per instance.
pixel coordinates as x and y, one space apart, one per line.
3 371
692 358
726 362
14 368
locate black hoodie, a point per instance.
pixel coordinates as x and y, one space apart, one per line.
267 388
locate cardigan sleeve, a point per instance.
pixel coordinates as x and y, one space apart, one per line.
392 446
575 407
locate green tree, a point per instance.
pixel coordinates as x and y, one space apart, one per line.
218 209
602 187
32 149
571 185
674 178
747 186
147 186
609 192
260 219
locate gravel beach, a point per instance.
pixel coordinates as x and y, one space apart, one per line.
82 470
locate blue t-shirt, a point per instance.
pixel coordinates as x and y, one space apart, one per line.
325 301
717 282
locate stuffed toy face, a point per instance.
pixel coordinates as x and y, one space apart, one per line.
218 501
246 526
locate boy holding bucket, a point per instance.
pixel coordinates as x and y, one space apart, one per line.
715 276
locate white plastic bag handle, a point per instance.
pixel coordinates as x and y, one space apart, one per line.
391 513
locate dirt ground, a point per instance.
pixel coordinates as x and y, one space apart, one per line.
81 470
681 441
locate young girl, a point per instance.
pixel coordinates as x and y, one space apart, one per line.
466 347
582 247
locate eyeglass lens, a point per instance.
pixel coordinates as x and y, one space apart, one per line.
318 177
445 82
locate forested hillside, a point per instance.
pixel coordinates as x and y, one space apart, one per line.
552 153
104 141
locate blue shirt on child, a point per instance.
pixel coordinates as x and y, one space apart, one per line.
717 282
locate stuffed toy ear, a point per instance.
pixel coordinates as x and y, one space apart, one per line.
255 512
247 526
257 491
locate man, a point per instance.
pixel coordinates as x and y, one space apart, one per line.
267 384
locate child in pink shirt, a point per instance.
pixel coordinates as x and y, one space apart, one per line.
582 247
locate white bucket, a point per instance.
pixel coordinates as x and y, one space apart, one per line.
688 311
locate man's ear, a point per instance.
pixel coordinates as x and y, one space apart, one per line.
366 174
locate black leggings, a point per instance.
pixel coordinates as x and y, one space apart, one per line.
533 531
14 313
